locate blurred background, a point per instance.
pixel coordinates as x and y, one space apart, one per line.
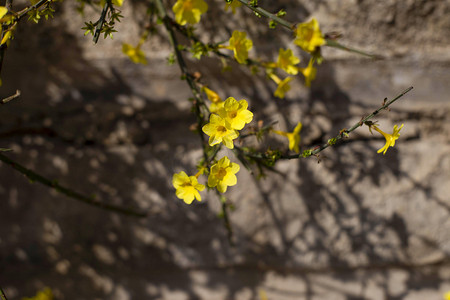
359 225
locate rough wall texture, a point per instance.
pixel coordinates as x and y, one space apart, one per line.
359 225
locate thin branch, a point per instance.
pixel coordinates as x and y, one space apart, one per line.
291 27
101 21
314 151
2 294
32 176
12 97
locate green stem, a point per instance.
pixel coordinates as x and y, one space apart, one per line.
226 218
32 176
334 44
184 72
269 15
101 21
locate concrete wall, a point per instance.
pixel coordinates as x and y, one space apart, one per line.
359 225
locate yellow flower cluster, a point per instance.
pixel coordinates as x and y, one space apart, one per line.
223 127
221 175
189 11
309 37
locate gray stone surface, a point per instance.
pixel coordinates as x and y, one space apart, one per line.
359 225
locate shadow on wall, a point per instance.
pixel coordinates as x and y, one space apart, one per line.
82 126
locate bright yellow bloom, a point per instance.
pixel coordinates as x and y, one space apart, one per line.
308 36
134 53
309 72
117 2
390 138
235 113
220 132
287 61
447 296
45 294
283 85
6 37
234 4
189 11
187 187
240 46
223 175
216 101
293 137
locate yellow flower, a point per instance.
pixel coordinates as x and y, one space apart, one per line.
240 46
117 2
219 132
223 175
6 37
447 296
189 11
102 2
293 137
308 36
309 72
390 138
235 113
216 101
134 53
234 4
287 61
187 187
45 294
283 85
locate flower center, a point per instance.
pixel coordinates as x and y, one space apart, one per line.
221 174
222 129
232 114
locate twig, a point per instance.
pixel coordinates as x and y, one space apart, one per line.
12 97
101 21
314 151
291 27
32 176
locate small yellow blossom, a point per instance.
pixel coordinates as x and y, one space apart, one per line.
102 2
233 5
236 113
309 72
212 96
189 11
45 294
283 85
187 187
240 46
216 101
223 175
293 137
447 296
6 37
308 36
287 61
117 2
219 132
390 138
134 53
